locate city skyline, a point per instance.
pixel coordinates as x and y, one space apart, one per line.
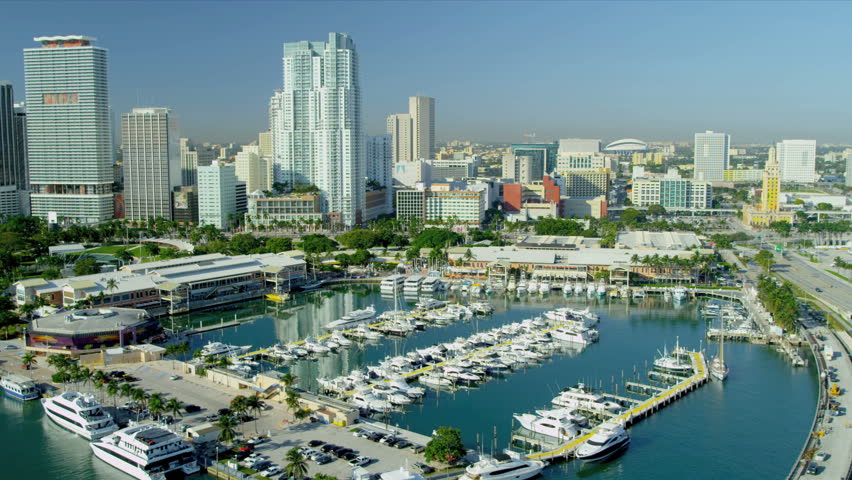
634 82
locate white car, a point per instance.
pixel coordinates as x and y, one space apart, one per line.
360 461
257 440
271 471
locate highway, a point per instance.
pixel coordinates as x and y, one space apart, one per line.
835 292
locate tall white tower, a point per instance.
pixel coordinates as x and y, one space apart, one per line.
152 162
422 112
797 159
316 125
711 156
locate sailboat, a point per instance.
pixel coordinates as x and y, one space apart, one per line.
718 368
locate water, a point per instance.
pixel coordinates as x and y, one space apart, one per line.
759 417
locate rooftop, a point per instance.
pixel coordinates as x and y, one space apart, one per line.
88 321
558 242
657 240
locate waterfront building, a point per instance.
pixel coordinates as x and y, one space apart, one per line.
76 331
543 156
14 189
628 146
579 145
743 175
152 169
769 209
68 129
316 125
271 210
454 202
399 128
797 159
217 195
590 183
253 168
422 112
711 156
672 191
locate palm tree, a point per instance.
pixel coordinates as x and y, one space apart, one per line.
174 406
59 362
288 380
85 375
296 467
227 428
253 404
156 405
126 390
28 360
112 390
111 285
239 407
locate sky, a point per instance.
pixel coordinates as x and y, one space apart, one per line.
760 71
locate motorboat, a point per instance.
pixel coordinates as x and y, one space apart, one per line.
353 318
503 466
215 349
544 287
147 452
482 308
574 416
412 285
639 293
609 440
363 333
80 414
718 368
679 294
584 398
20 387
512 285
579 335
532 286
673 362
392 283
590 290
601 290
370 402
312 285
559 427
313 345
429 304
430 285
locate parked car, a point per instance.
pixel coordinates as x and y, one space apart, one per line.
360 461
224 411
389 440
361 433
348 456
191 408
256 440
375 436
322 459
417 448
212 417
402 443
341 452
422 468
315 443
275 469
329 447
813 468
174 377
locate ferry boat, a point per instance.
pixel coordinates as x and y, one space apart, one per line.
20 387
218 348
412 285
146 452
80 414
503 466
430 285
392 283
355 317
610 439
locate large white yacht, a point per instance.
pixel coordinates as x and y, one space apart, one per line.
503 466
558 426
353 318
673 362
610 439
146 452
392 283
80 414
430 285
575 334
20 387
412 285
584 398
218 348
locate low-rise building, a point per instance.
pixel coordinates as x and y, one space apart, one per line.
455 202
672 191
743 175
269 211
81 330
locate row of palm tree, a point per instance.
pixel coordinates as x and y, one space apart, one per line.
694 263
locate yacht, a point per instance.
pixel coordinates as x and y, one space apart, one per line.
392 283
673 362
20 387
412 285
532 286
574 416
579 335
363 333
353 318
557 426
312 285
218 348
146 452
503 466
601 290
639 293
370 402
718 368
584 398
578 288
80 414
429 304
512 285
544 287
590 290
482 308
679 294
609 440
430 285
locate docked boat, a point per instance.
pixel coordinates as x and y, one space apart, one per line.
577 334
430 285
557 426
532 286
429 304
639 293
512 285
673 362
544 287
278 297
503 466
80 414
353 318
312 285
392 283
20 387
412 285
718 368
482 308
578 288
584 398
363 333
590 290
214 349
369 401
601 290
574 416
146 452
679 294
609 440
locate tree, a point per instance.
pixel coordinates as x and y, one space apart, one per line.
28 360
765 259
112 390
156 403
359 239
174 407
125 256
631 217
243 243
824 206
277 245
86 266
253 404
317 243
296 467
227 428
782 228
656 210
446 445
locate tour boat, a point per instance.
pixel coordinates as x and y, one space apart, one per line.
673 362
79 413
20 387
146 452
609 440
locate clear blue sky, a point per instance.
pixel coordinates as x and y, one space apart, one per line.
760 71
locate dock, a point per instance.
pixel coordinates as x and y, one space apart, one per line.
210 328
659 399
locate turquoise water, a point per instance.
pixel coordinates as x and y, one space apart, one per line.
752 426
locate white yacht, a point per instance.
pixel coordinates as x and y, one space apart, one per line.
584 398
574 416
20 387
532 286
718 368
673 362
578 334
370 402
601 290
218 348
430 285
610 439
590 290
639 293
392 283
353 318
578 288
412 285
679 294
146 452
503 466
482 308
544 287
559 427
429 304
512 285
80 414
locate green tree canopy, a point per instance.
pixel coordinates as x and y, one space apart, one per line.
632 217
86 266
656 210
317 243
277 245
243 243
558 226
446 445
436 238
765 259
359 239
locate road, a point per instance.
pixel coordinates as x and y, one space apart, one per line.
835 292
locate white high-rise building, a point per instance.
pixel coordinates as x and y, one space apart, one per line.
152 162
711 155
422 113
379 154
217 195
254 169
188 163
68 129
316 125
797 159
399 128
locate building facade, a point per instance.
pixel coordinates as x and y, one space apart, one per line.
797 159
399 128
672 191
68 129
743 175
711 155
379 154
253 168
152 162
543 154
570 162
455 169
185 204
188 163
579 145
591 183
316 125
422 112
217 195
769 209
271 211
13 156
522 168
443 202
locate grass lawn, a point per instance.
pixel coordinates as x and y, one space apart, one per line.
837 274
111 249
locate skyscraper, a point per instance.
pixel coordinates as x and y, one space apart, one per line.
217 195
188 163
711 155
253 169
316 125
399 128
797 160
771 184
68 129
152 162
379 155
13 175
422 112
